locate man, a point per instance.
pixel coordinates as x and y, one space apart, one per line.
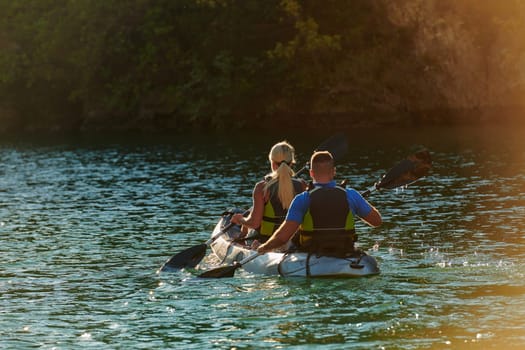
324 215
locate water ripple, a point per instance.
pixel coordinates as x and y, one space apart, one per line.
85 226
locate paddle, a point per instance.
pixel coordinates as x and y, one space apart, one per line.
189 258
404 173
193 255
227 271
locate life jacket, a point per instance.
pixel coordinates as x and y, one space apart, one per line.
328 227
274 213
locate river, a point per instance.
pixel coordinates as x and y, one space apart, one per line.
85 222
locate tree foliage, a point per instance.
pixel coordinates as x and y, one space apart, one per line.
149 64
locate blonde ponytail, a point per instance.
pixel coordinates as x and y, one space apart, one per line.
286 189
282 153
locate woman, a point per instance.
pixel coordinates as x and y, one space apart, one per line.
273 195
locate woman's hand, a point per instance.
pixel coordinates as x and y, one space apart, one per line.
261 248
238 219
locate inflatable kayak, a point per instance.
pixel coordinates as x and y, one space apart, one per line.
229 249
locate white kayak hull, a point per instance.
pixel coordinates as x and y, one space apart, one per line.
294 264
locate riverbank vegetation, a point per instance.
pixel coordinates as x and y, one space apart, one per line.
190 64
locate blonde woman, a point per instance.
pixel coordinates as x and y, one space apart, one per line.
273 195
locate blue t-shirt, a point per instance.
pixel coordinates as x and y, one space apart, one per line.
300 204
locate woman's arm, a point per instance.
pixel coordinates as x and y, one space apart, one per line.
254 219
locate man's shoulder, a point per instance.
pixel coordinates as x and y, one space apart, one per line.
352 192
301 198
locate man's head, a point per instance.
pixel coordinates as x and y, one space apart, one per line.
322 166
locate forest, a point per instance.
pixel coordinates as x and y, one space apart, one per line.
251 64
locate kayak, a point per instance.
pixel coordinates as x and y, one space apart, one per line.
229 249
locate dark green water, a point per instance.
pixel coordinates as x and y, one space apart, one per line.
86 222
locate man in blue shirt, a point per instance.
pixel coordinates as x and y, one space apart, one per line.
324 215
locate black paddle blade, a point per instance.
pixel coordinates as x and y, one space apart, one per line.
337 145
407 171
188 258
221 272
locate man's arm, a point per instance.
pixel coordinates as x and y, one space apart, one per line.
373 218
283 234
366 211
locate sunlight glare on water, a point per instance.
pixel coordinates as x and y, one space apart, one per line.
85 225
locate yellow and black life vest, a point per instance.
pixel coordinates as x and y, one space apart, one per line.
274 213
328 227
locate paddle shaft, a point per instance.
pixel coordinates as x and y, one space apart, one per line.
224 230
337 145
228 270
369 191
248 259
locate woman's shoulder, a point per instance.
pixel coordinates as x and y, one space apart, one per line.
259 186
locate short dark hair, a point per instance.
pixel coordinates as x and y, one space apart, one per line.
321 160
